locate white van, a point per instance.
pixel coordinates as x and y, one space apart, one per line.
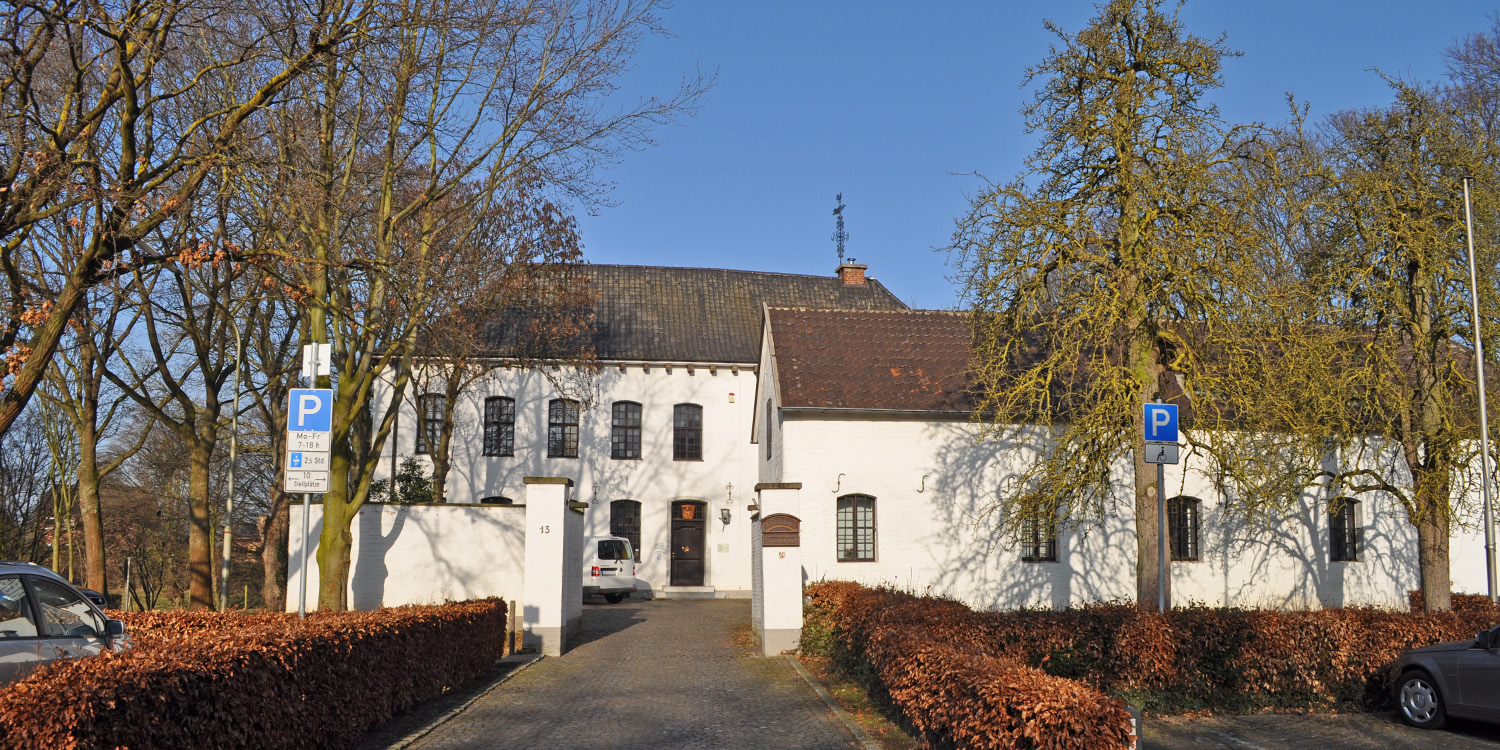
608 568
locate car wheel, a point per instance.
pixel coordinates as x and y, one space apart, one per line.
614 598
1419 701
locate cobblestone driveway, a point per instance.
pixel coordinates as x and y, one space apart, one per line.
1337 732
648 675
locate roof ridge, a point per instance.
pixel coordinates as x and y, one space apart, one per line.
856 310
701 268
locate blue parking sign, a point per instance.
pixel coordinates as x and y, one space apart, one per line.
310 410
1161 423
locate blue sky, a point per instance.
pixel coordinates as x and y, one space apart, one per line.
897 105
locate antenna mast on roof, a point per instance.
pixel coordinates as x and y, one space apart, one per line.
840 235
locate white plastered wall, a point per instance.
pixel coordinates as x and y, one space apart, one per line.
419 554
934 488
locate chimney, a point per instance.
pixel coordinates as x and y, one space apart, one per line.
852 274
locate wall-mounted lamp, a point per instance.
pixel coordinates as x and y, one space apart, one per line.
724 515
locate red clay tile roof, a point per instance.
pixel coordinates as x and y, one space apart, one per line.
907 360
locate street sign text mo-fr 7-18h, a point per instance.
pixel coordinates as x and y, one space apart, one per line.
309 438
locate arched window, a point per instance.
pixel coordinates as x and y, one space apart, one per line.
625 520
499 426
497 500
687 432
1182 527
625 430
856 528
1346 533
429 421
562 428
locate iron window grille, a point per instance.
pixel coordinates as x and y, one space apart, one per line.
1345 531
625 521
430 421
1038 539
856 528
499 426
562 428
687 432
625 430
1182 528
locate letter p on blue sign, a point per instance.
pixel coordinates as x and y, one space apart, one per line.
310 410
1161 423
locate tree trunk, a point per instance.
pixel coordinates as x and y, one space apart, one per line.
273 535
200 529
336 540
1433 540
94 568
1147 525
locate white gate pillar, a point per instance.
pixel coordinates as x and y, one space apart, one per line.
776 566
553 610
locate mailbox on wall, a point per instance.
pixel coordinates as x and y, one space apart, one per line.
780 530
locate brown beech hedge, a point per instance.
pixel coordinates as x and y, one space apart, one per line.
257 682
1194 658
938 669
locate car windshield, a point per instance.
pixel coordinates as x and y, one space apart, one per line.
614 549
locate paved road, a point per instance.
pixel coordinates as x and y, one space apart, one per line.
652 675
1337 732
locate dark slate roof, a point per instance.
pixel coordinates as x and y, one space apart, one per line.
653 313
908 360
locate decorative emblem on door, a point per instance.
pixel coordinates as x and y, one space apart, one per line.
688 511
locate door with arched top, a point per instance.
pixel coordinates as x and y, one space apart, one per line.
687 542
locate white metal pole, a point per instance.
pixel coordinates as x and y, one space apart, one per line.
1484 422
234 457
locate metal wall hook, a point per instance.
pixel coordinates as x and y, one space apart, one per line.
923 488
839 483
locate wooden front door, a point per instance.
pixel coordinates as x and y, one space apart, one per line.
687 543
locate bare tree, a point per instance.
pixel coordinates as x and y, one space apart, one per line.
394 149
95 111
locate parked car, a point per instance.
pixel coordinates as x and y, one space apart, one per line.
1459 679
97 598
608 568
44 618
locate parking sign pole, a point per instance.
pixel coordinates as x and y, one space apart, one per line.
1161 536
302 579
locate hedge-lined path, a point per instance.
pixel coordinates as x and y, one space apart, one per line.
662 674
1323 732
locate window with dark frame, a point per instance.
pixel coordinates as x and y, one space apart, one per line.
499 426
625 521
687 432
562 428
1345 530
1038 538
1182 528
855 528
430 421
625 430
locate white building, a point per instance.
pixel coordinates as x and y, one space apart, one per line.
869 411
854 410
663 453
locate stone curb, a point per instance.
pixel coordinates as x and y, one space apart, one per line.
427 728
864 740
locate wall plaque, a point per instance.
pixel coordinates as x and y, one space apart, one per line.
780 530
